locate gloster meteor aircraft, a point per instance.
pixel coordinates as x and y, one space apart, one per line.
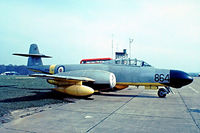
112 75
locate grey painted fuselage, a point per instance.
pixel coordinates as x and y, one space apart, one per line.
123 73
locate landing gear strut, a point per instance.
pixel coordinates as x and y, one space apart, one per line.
162 92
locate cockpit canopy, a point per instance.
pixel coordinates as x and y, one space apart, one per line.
128 61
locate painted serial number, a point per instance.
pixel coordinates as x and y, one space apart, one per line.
161 77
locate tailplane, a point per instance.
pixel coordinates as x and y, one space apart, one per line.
34 56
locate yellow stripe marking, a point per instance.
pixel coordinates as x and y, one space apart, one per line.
140 84
52 69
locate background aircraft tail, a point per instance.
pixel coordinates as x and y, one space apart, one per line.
34 56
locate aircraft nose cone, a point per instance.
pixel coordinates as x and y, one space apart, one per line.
179 78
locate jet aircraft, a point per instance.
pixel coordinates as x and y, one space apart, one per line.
85 79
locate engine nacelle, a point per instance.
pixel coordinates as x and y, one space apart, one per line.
76 90
103 79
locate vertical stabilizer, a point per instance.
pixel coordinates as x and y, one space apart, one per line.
34 60
34 56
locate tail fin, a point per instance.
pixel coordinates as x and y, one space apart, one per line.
34 56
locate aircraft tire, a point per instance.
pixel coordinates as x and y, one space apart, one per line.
161 93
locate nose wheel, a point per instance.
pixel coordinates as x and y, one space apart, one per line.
162 92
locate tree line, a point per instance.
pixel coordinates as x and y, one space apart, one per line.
21 70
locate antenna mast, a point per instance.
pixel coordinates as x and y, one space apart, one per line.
130 42
112 45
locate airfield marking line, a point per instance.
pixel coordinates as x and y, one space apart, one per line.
111 113
193 89
195 122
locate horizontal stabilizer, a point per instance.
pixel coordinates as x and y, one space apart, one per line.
32 55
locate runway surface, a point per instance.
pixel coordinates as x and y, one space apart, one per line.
129 110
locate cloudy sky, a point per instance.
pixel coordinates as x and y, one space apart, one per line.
166 33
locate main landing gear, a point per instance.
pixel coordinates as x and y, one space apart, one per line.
162 92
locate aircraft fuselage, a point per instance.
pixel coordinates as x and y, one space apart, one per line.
125 74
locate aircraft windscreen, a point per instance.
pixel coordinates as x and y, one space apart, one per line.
132 62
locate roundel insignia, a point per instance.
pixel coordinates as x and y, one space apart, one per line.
61 69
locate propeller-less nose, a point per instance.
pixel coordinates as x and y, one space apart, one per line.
179 78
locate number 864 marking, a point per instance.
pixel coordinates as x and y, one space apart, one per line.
161 77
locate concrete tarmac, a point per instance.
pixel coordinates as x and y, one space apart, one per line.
129 110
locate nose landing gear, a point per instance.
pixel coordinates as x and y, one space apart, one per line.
162 92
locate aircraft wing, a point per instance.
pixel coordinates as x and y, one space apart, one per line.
62 78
